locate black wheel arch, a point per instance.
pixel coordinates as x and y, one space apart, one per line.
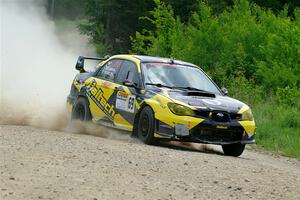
137 116
86 107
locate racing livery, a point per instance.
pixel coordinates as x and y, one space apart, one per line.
160 99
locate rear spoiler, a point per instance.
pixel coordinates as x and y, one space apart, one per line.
80 62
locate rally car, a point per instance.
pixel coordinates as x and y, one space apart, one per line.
160 99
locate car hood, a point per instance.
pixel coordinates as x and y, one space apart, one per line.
204 101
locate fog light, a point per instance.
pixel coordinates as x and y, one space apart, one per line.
181 130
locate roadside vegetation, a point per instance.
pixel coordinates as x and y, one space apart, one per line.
251 47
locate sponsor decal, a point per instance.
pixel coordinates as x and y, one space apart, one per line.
222 127
163 106
250 134
212 102
220 114
125 102
201 107
96 94
106 84
193 102
162 64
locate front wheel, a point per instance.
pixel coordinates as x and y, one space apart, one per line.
145 126
233 149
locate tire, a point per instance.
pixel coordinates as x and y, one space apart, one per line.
146 126
233 149
81 110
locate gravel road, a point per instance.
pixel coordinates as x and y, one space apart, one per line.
42 164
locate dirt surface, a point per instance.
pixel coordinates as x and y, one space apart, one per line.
42 164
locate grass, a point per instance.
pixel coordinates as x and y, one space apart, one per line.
277 116
278 128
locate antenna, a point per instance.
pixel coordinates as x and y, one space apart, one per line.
106 56
172 60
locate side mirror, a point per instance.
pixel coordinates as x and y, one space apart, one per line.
80 64
129 83
224 91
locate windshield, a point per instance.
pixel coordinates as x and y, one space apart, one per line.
173 75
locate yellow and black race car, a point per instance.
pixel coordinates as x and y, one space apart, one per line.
160 99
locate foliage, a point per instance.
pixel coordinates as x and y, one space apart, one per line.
69 9
289 96
244 40
113 22
278 127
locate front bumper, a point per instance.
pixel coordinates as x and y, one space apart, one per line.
208 132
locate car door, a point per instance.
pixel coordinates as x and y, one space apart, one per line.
101 93
126 94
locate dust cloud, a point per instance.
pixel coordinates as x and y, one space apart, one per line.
37 68
37 65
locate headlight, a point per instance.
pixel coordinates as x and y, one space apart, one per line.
247 115
178 109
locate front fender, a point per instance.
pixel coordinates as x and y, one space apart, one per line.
159 104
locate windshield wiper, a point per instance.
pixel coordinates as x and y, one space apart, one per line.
179 87
159 85
191 88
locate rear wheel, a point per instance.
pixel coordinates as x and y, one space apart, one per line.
233 149
81 110
145 126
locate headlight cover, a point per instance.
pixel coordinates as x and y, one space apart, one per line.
247 115
178 109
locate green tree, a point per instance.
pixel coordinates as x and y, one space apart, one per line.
242 40
114 21
70 9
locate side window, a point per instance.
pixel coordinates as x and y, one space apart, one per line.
110 70
128 71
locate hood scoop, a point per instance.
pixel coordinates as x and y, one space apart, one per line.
200 94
